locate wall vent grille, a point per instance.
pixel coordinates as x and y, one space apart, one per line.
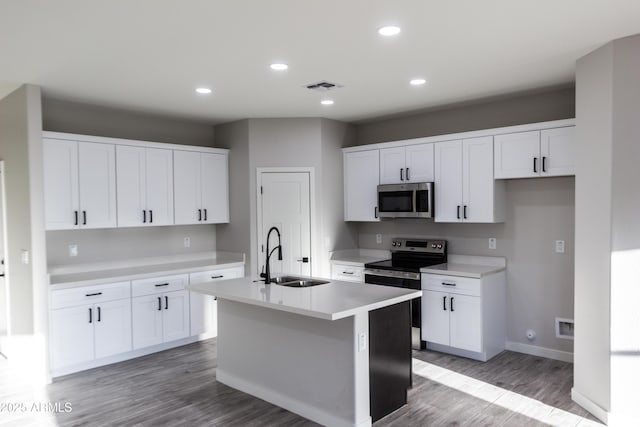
323 86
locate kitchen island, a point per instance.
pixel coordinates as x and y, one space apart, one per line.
337 353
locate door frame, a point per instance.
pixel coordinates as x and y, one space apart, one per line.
4 337
312 212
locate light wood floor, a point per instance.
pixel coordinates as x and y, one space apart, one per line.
178 387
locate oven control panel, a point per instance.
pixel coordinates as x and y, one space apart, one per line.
419 245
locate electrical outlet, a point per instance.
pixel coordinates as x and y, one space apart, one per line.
24 256
378 238
492 242
73 250
187 242
560 246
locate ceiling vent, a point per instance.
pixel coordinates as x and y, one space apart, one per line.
323 86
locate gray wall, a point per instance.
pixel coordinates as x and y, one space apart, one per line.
607 364
303 142
483 114
21 149
539 211
113 244
72 117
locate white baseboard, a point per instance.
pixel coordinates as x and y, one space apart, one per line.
310 412
534 350
590 406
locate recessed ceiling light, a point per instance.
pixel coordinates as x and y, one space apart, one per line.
279 66
417 82
390 30
203 90
327 102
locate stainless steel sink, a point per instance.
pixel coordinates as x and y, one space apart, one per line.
297 282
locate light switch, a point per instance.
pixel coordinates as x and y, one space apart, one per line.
24 256
362 341
378 238
560 246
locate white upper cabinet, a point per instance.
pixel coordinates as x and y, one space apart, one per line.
465 190
411 163
361 178
145 186
201 187
79 184
548 152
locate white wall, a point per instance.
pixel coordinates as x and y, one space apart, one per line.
607 356
21 149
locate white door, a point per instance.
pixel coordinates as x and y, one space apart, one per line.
392 165
361 179
4 278
186 187
419 163
131 186
517 155
466 322
285 204
72 335
435 317
557 148
175 315
97 185
146 319
215 188
478 183
159 186
448 181
112 327
60 160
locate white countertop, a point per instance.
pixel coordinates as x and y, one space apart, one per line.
331 301
82 275
359 257
468 266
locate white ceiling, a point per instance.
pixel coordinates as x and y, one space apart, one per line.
149 55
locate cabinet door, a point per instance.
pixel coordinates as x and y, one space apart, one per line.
466 322
215 187
435 317
448 181
71 336
112 327
186 187
131 185
361 178
392 165
97 184
477 185
159 186
419 163
175 316
515 155
146 319
204 314
60 183
557 148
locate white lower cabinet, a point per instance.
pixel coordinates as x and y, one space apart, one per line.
347 272
204 308
160 309
87 323
464 316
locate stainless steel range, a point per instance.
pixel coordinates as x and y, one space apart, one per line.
408 256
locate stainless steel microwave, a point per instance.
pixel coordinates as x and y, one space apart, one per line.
405 200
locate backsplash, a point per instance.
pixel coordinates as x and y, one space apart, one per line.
125 243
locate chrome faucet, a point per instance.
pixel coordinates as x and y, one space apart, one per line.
267 271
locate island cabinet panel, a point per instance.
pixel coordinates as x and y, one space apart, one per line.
389 358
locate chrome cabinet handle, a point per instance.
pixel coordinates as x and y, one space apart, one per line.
407 174
451 304
401 174
458 211
444 303
535 165
544 163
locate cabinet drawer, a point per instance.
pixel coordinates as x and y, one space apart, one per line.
158 284
348 273
451 284
89 294
218 274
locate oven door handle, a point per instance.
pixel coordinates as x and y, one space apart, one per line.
410 276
